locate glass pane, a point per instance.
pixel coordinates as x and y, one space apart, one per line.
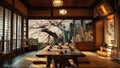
1 22
78 31
48 31
1 26
19 31
14 31
7 30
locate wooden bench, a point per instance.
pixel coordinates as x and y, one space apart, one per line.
41 60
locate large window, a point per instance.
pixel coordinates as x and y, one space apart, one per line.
7 30
47 31
19 23
14 31
1 22
1 26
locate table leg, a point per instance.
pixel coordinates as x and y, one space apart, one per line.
75 60
48 61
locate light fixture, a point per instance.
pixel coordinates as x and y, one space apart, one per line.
62 11
104 9
57 3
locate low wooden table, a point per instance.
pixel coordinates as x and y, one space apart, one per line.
52 52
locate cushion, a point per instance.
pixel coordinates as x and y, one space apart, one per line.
39 62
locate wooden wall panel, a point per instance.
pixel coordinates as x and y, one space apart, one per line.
99 33
74 12
84 46
18 5
39 13
70 13
9 1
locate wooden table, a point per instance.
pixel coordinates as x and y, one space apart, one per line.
51 52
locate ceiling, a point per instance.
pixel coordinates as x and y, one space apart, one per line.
39 4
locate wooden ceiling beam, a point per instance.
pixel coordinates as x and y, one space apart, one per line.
74 4
61 17
42 8
51 7
25 3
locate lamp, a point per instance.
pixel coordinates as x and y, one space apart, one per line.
62 11
57 3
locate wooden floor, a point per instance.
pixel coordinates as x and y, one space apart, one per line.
96 61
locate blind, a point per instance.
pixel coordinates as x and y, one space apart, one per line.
19 31
14 31
1 22
7 30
